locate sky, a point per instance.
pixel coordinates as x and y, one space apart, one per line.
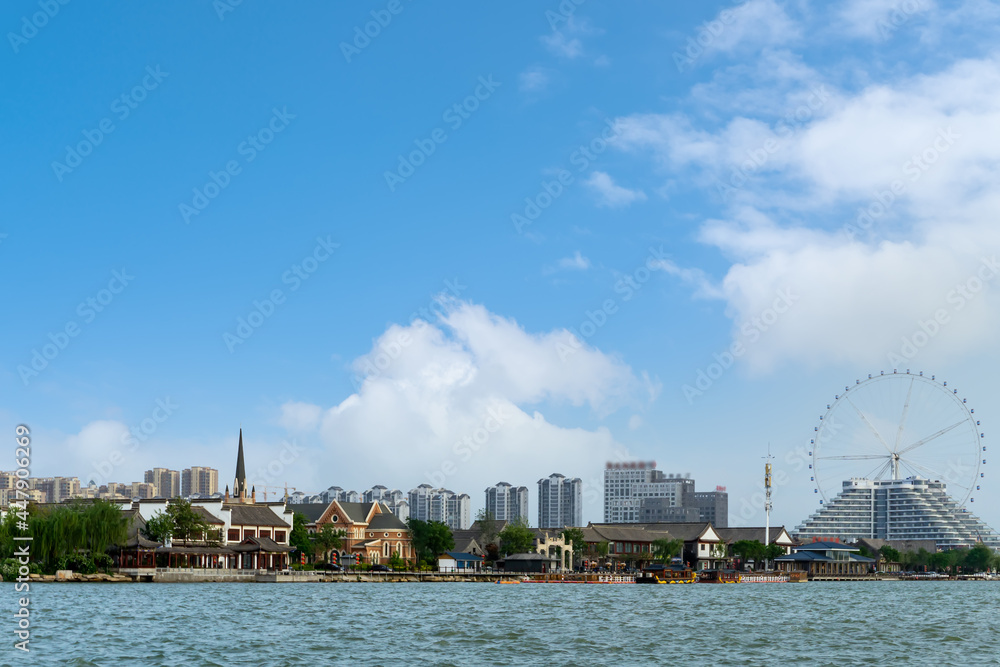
398 244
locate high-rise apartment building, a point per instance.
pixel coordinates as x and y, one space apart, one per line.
429 504
627 484
167 482
201 481
560 502
506 502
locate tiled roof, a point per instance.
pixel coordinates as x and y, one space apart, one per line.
207 516
255 515
460 556
265 544
356 512
622 533
826 546
311 511
386 521
755 533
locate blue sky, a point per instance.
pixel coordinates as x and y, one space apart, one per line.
695 170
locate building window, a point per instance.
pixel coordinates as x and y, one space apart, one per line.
265 533
279 536
233 535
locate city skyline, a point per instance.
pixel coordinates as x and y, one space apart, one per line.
654 233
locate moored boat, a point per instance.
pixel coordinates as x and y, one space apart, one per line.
658 573
719 577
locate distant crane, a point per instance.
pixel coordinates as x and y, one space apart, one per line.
286 488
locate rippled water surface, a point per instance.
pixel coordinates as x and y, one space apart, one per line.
836 623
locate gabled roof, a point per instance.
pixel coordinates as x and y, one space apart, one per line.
386 521
311 511
255 515
264 544
208 517
778 535
609 532
826 546
468 546
356 512
460 556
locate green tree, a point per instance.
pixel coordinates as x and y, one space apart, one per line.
516 538
325 540
772 551
299 537
749 550
663 550
82 530
159 528
889 555
574 537
189 525
430 539
489 527
979 558
396 562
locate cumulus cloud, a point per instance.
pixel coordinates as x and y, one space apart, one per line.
875 212
458 403
611 194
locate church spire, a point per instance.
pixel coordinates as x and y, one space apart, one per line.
240 487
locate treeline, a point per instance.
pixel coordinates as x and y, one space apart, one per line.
75 536
979 558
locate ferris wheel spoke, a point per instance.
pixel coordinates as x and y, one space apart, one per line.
902 420
920 443
856 457
879 470
871 426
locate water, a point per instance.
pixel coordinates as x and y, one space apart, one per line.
835 623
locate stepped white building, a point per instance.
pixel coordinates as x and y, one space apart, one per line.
897 509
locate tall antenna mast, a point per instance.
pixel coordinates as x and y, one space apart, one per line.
767 496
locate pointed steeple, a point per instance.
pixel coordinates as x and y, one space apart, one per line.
240 486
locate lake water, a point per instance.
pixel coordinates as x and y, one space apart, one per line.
835 623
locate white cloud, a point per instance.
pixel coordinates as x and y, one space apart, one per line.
879 19
566 41
753 25
534 79
576 262
457 403
861 296
300 416
610 194
562 45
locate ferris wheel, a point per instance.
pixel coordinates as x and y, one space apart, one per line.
897 425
